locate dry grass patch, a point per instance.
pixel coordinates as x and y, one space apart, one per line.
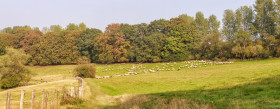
16 92
153 102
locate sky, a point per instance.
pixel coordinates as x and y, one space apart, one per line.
100 13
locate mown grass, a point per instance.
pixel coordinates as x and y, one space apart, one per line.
251 84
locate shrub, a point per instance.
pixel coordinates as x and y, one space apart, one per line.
85 70
13 70
14 79
71 100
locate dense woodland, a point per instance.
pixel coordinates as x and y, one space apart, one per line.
246 33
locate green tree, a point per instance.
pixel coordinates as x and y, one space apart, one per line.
45 30
13 70
82 26
148 48
104 49
47 54
210 46
213 24
9 39
158 26
266 16
56 28
7 30
229 25
247 18
66 47
86 43
174 22
242 39
201 24
180 43
72 26
187 18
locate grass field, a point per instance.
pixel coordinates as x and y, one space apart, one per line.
250 84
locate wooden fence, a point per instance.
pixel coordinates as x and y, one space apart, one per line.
76 92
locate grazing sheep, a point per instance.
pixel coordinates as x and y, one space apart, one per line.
145 71
98 77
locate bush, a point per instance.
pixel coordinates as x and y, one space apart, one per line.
14 79
85 71
13 70
71 100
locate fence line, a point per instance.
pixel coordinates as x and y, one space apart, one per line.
75 92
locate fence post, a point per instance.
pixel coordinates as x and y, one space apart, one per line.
47 95
77 92
68 92
57 99
52 104
8 100
82 87
63 93
72 91
42 103
33 98
22 98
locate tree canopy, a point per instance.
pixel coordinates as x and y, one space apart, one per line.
248 32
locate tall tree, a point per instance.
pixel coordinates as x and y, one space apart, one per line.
9 38
213 24
229 25
129 31
120 48
47 54
72 26
210 46
242 39
7 30
86 43
31 44
181 42
266 17
55 28
247 17
158 26
148 48
3 45
20 32
104 49
82 26
201 24
187 18
45 30
174 22
66 47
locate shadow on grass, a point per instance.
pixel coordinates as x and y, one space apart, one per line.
263 93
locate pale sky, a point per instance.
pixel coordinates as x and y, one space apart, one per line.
100 13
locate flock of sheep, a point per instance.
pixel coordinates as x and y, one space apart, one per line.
174 66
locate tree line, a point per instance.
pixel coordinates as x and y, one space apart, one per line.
249 32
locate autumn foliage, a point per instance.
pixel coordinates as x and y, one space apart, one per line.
246 33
